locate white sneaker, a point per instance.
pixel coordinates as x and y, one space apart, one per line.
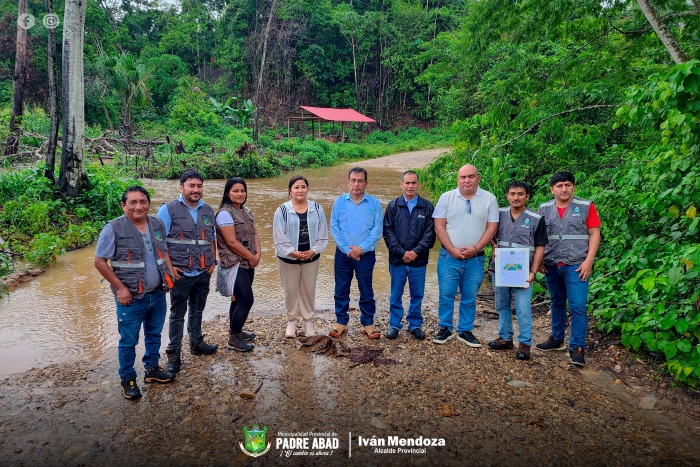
291 329
309 328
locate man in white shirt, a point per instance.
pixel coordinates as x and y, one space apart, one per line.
466 219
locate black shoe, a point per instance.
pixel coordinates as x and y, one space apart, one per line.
468 338
173 361
202 348
551 344
156 375
247 336
130 390
443 335
576 356
418 334
237 342
392 333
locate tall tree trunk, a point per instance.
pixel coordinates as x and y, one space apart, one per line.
20 78
266 34
72 176
53 99
664 33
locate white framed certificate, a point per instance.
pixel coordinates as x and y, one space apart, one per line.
512 267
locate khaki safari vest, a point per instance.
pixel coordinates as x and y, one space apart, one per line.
245 234
129 262
189 244
518 234
568 236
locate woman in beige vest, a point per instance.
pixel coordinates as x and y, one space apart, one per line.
238 243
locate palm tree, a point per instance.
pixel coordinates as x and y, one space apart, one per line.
127 78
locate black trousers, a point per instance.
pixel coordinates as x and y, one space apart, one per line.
243 291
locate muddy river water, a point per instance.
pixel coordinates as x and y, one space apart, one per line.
67 313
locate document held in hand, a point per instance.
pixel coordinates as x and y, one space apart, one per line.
512 267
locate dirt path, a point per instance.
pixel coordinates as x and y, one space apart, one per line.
404 160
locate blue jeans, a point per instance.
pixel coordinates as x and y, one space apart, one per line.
564 284
344 268
416 286
149 311
523 312
192 290
467 274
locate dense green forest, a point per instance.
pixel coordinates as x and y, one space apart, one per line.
607 89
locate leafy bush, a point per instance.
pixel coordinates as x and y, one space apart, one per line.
38 223
651 256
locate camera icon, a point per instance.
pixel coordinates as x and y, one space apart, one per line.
51 21
26 21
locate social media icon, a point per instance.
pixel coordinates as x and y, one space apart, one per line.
51 21
26 21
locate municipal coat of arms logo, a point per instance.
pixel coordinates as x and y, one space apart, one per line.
158 235
206 220
255 442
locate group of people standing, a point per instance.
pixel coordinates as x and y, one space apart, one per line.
143 257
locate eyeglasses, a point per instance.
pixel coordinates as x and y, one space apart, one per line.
469 207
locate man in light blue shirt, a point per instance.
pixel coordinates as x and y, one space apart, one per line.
356 226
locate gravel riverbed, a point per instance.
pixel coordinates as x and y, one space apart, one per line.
489 408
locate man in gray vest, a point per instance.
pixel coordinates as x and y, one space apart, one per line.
573 228
466 219
518 227
139 272
189 226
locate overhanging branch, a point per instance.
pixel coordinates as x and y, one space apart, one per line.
559 114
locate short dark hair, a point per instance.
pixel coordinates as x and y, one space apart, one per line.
190 173
295 179
562 177
518 184
410 172
357 170
138 189
225 200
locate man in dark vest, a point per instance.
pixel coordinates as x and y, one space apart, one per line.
409 235
573 228
518 227
189 226
139 272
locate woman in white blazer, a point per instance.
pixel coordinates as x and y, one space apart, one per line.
300 232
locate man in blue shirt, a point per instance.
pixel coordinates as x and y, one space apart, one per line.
189 230
356 226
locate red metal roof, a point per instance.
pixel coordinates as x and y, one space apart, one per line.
338 115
